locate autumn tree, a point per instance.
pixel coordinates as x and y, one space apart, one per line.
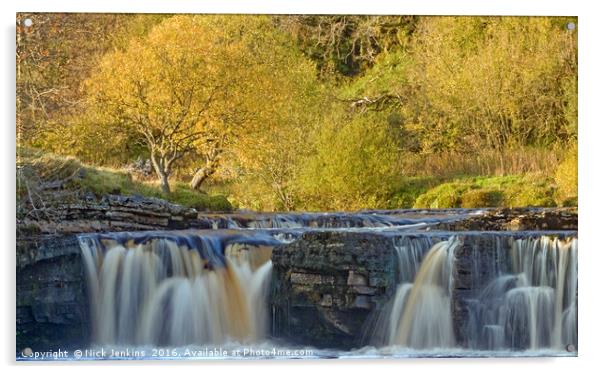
53 58
197 87
56 52
469 82
173 88
284 104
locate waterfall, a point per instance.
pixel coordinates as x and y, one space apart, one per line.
176 289
420 316
532 302
523 295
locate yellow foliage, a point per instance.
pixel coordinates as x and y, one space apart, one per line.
567 177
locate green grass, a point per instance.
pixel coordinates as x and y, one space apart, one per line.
480 192
103 181
409 189
43 167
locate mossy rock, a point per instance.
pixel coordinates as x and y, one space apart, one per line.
473 192
531 194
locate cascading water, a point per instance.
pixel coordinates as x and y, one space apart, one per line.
532 302
209 287
420 315
318 220
529 301
176 289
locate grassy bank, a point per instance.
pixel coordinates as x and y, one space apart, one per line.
502 191
43 175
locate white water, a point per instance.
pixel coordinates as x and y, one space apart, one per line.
421 314
545 298
532 304
162 293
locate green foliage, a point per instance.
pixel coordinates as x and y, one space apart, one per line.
409 189
354 165
37 169
102 181
480 192
482 198
570 202
308 112
183 195
446 195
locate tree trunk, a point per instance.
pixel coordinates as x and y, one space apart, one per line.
163 177
201 176
161 172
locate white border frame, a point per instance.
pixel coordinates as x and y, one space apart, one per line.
589 171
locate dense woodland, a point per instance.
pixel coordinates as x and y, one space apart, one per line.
307 112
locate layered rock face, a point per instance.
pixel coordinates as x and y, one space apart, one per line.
327 285
118 213
517 219
52 306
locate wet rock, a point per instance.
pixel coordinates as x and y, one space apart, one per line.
51 296
320 291
329 288
355 279
517 219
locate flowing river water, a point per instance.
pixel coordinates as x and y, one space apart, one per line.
199 293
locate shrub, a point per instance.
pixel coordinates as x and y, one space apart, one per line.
447 195
570 202
512 191
409 189
567 178
534 190
482 198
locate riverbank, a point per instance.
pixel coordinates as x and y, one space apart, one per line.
45 180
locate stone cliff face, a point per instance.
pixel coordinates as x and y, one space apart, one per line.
327 284
52 307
